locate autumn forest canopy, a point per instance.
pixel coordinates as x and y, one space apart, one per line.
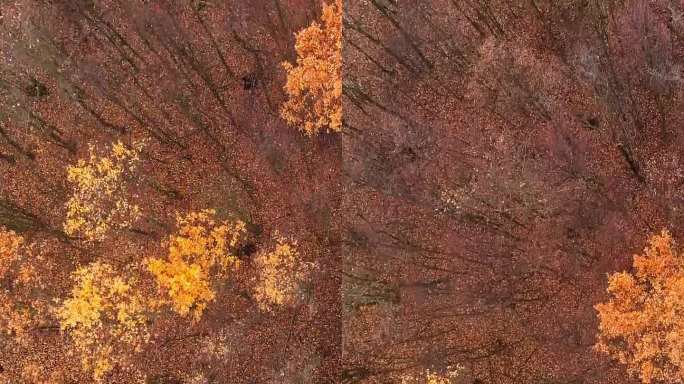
305 191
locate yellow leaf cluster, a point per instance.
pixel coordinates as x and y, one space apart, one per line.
105 317
99 202
433 378
199 251
187 285
280 275
641 325
314 84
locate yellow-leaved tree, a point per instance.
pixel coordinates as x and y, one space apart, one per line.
314 84
200 251
105 317
280 275
99 201
642 323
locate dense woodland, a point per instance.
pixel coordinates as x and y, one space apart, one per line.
381 191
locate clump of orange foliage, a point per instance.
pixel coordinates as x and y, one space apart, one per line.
199 251
314 84
641 325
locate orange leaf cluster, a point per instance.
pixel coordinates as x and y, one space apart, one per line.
642 325
198 251
314 84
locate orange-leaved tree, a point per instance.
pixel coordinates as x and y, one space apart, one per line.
200 251
314 84
642 324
